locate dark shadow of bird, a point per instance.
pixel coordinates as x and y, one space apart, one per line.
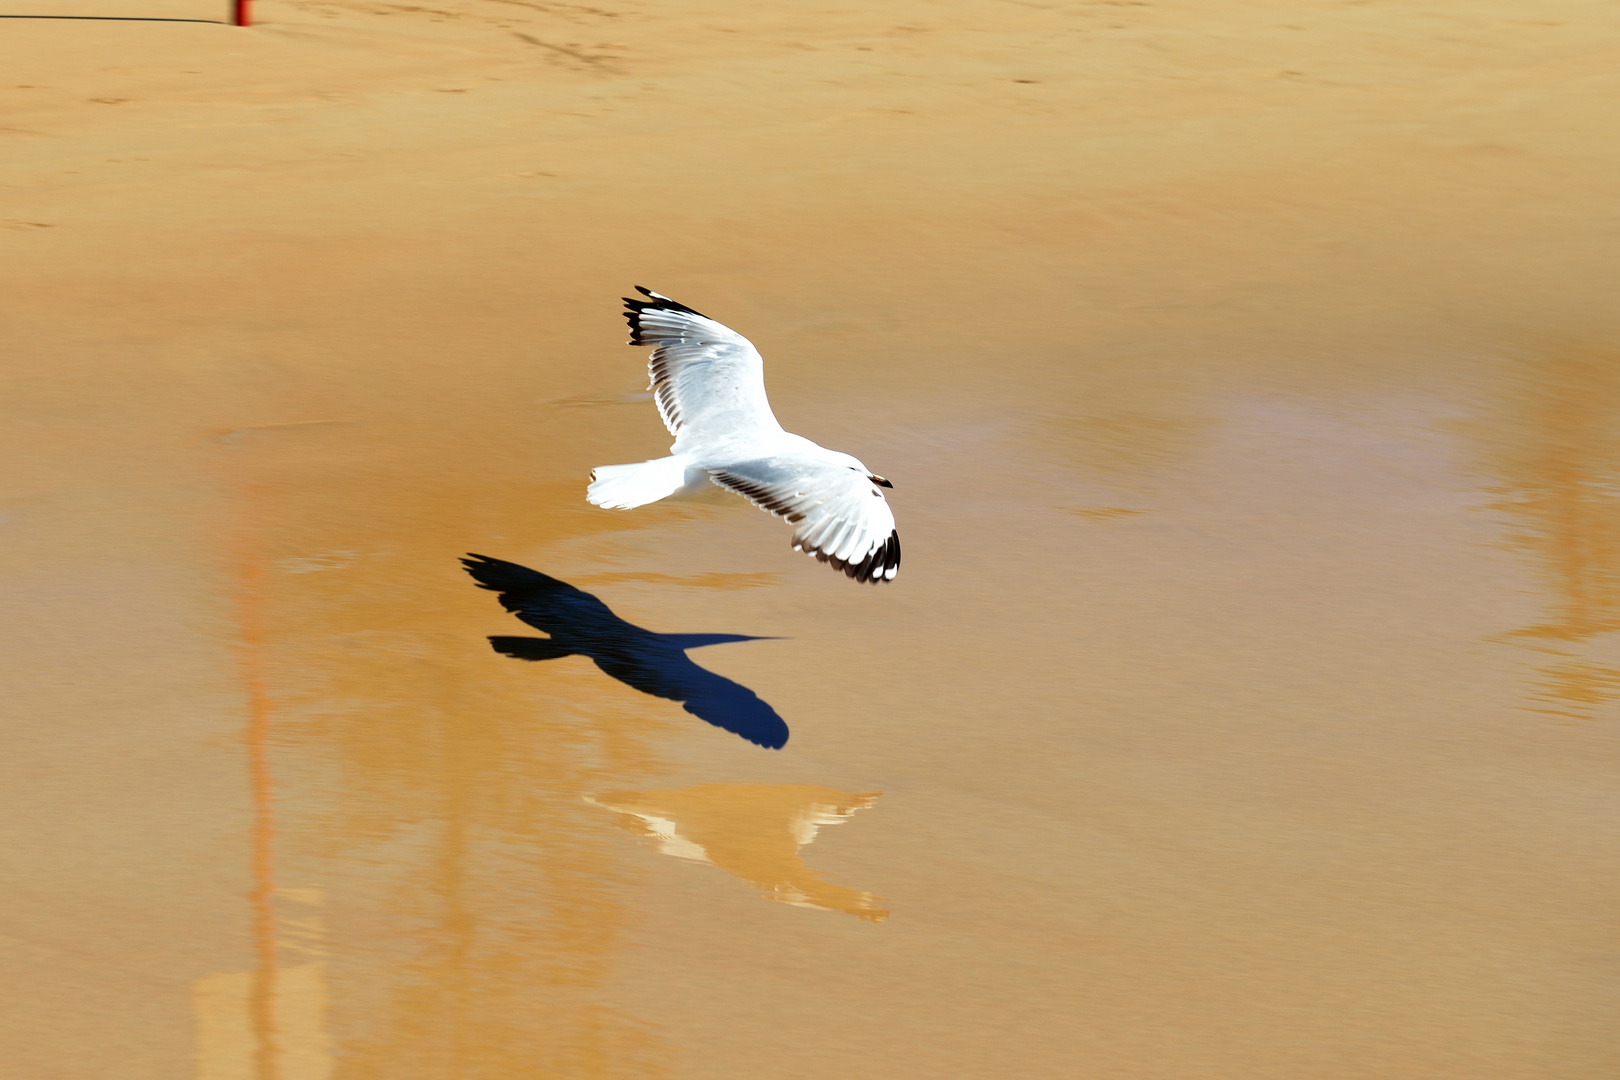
580 624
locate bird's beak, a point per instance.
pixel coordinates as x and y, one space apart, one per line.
880 482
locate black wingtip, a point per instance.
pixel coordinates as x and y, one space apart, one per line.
655 301
878 568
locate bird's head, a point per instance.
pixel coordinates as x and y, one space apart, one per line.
851 462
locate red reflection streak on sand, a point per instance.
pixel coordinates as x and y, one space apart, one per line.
250 575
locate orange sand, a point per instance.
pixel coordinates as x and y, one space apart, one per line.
1247 705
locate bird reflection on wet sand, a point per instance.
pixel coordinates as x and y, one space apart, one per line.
753 832
580 624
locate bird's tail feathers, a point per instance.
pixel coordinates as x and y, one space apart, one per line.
621 487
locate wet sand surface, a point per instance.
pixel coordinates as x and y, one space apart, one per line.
1249 375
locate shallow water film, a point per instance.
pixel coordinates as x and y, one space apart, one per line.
1248 375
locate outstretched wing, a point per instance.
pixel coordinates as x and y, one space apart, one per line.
670 673
705 376
839 515
540 600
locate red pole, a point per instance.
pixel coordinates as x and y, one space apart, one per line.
244 16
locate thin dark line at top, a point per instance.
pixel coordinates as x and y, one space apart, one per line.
118 18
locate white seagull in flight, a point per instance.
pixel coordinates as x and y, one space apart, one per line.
709 384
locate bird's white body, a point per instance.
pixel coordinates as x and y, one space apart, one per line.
709 384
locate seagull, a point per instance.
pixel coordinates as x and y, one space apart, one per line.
709 384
